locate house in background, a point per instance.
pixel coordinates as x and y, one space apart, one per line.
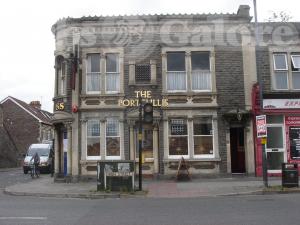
8 150
24 124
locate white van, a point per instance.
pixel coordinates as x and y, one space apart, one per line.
45 151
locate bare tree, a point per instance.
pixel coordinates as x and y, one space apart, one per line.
281 16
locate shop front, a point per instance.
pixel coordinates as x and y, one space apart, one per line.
283 135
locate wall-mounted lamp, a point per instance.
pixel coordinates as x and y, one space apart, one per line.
239 114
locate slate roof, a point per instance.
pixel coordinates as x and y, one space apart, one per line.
42 115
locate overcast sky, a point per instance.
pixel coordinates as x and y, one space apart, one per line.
27 44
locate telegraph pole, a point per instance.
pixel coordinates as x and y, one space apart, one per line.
140 136
260 83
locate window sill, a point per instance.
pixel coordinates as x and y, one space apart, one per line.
102 95
143 85
194 160
189 93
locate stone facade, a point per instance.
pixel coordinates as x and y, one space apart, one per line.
145 43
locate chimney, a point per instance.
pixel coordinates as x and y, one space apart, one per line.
35 104
244 11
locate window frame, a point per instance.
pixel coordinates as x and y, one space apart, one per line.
119 136
187 136
185 72
289 58
211 135
117 72
99 137
210 71
87 73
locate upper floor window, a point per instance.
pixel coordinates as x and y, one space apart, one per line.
286 71
112 73
201 75
176 71
188 71
93 79
62 77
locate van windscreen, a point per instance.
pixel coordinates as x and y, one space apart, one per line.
40 151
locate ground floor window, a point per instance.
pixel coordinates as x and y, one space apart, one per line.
112 138
93 139
178 137
203 136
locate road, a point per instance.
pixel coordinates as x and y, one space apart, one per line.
12 176
239 210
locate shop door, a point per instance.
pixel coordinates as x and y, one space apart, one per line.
275 147
237 150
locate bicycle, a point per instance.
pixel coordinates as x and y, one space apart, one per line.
34 171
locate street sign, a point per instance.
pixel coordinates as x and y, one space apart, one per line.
261 126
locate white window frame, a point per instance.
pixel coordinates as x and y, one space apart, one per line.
213 141
286 62
283 149
187 136
119 136
185 72
118 72
295 55
86 74
280 70
210 69
62 78
86 151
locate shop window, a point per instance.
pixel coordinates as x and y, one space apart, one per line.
93 139
112 73
176 72
203 137
201 75
178 137
112 138
93 78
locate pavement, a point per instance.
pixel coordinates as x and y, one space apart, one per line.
152 188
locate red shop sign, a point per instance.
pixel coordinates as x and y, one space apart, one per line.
292 120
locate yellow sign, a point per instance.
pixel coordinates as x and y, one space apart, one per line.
59 106
146 97
263 140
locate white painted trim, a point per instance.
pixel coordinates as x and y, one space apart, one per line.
9 98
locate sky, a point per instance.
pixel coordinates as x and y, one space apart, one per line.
27 44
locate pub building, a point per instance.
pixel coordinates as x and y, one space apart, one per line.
200 90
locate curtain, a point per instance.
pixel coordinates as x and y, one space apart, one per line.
112 82
201 80
281 80
176 81
93 82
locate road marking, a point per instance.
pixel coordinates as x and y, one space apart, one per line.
22 218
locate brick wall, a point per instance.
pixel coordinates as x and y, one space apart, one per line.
21 126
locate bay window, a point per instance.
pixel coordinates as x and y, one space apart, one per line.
203 137
93 139
93 78
178 137
112 138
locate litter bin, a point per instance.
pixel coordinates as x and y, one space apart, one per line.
290 175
